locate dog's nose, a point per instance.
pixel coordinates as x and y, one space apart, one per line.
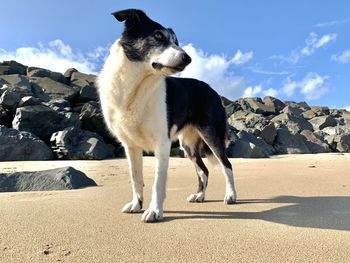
186 59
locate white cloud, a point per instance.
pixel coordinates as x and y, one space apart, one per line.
215 70
271 92
312 86
252 91
56 56
312 43
342 58
242 58
332 23
347 108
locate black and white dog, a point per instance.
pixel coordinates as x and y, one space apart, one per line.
147 110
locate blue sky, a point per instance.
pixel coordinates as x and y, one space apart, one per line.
294 50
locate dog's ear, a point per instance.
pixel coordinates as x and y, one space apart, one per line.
130 16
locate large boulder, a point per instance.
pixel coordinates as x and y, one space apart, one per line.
22 146
47 89
315 143
288 143
259 142
64 178
39 119
77 144
321 122
258 106
293 123
17 81
42 73
343 142
12 67
273 102
269 132
245 149
86 85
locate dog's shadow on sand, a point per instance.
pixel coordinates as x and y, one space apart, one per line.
324 212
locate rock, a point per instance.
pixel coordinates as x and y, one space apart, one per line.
40 72
76 144
87 90
22 146
293 123
260 107
335 130
314 143
309 114
336 113
322 122
343 142
59 105
38 119
18 81
275 103
288 143
5 117
259 142
292 110
320 110
76 75
64 178
29 101
230 106
302 105
12 67
248 121
47 89
10 100
245 149
268 133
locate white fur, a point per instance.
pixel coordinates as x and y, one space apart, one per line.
168 57
132 98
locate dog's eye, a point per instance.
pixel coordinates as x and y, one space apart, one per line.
158 35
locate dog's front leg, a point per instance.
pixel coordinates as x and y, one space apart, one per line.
135 165
155 211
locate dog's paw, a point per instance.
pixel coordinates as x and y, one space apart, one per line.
151 216
230 199
196 198
132 207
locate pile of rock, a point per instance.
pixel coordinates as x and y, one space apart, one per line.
46 115
269 126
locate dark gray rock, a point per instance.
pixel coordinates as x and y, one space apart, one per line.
12 67
64 178
40 72
343 142
322 122
275 103
314 142
302 105
288 143
29 101
293 123
39 119
17 81
320 110
258 106
245 149
87 77
59 105
292 110
22 146
249 137
10 99
269 132
5 117
77 144
309 114
47 89
69 72
87 90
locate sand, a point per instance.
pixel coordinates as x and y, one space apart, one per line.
292 208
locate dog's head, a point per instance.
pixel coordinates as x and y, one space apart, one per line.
144 40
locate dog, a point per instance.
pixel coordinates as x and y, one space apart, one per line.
146 110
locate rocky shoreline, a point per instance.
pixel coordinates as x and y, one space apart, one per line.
47 115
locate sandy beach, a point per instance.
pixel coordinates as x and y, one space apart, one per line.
292 208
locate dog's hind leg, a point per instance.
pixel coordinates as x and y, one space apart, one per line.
155 211
217 146
202 173
135 165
